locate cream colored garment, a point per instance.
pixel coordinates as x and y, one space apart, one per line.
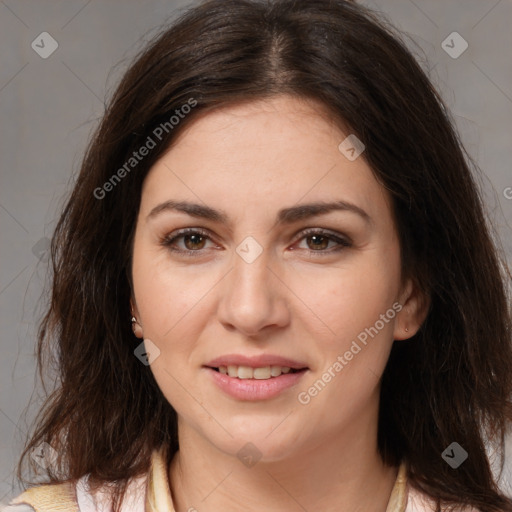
152 494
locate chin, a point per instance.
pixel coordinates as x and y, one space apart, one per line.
255 443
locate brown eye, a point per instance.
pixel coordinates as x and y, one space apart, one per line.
317 241
194 241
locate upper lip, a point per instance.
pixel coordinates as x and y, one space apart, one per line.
255 361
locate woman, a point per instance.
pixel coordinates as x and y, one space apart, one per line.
274 286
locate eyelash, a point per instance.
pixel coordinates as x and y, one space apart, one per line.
168 240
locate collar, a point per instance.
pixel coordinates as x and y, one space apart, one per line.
158 495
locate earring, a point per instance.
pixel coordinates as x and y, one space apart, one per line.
407 329
134 324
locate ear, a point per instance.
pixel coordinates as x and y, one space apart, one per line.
133 308
415 307
136 326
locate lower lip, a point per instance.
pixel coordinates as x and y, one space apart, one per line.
255 389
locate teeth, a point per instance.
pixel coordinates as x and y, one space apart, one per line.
246 372
262 373
275 371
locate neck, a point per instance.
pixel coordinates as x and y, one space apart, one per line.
337 473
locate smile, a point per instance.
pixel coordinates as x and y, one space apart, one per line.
262 373
255 383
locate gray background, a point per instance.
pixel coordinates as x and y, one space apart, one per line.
48 108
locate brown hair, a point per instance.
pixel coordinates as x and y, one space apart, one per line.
451 382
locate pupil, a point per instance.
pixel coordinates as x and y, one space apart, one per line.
317 237
188 237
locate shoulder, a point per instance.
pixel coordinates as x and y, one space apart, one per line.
46 497
407 498
420 502
76 497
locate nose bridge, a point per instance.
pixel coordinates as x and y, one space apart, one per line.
251 298
251 276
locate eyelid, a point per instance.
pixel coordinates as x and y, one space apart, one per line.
327 232
170 238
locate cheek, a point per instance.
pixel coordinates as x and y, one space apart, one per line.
169 304
344 300
168 296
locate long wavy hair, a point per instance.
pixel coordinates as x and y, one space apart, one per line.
451 382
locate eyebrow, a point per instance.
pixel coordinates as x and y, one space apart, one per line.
285 215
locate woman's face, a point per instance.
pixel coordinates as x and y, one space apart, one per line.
250 289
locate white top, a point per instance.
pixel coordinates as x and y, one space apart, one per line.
151 493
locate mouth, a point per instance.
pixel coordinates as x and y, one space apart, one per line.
255 379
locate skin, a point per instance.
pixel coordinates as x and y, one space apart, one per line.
250 160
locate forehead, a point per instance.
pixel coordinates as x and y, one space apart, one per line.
255 124
263 154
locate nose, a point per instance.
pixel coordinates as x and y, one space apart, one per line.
253 297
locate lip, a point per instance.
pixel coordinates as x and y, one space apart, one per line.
254 389
255 361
